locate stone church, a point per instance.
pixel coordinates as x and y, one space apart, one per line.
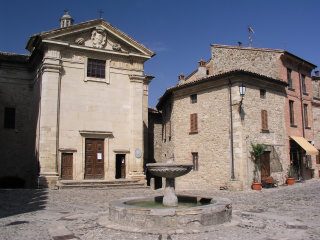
76 108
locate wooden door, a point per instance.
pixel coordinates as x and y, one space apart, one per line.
94 166
66 166
265 165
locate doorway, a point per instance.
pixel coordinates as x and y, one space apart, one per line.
120 166
66 166
265 164
94 166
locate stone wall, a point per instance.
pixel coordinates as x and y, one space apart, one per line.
263 61
18 145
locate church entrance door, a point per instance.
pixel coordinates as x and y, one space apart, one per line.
94 162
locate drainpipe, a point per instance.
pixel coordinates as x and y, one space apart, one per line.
247 161
301 100
231 131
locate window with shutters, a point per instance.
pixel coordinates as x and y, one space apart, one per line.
9 118
305 111
195 161
318 158
289 78
291 109
264 121
303 82
194 123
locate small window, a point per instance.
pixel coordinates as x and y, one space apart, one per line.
10 118
193 98
289 77
208 72
195 161
264 120
194 123
263 93
303 81
291 109
96 68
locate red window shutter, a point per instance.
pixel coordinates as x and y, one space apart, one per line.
264 120
194 122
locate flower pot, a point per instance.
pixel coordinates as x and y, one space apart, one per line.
256 186
290 181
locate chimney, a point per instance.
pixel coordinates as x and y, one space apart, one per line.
202 70
316 73
66 20
181 78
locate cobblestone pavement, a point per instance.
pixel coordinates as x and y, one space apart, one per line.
286 212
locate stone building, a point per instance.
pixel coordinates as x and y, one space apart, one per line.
208 123
221 147
296 72
76 108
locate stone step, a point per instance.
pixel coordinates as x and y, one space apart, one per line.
99 184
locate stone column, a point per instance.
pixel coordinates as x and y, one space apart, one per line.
48 118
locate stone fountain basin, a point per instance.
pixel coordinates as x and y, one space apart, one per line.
169 170
217 211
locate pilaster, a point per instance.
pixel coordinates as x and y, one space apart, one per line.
48 132
138 86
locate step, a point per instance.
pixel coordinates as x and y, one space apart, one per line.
100 184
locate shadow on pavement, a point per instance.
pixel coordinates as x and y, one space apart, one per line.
17 201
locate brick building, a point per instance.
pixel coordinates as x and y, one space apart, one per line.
316 118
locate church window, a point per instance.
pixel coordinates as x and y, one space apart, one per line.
96 68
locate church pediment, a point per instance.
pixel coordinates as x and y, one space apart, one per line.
96 34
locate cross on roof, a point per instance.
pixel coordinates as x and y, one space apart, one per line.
100 12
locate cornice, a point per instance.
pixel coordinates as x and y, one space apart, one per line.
146 79
60 43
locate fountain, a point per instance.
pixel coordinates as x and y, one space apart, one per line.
167 213
170 171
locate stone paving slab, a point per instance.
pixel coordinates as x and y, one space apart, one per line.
286 212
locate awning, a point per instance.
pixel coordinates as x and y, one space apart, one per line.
310 150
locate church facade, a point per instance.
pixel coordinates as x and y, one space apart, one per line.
76 108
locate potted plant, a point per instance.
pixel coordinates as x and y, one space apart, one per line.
256 153
291 173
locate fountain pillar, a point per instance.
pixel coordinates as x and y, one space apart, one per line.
170 199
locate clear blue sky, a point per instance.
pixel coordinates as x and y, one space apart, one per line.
179 31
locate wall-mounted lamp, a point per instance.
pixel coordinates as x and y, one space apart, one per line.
242 90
